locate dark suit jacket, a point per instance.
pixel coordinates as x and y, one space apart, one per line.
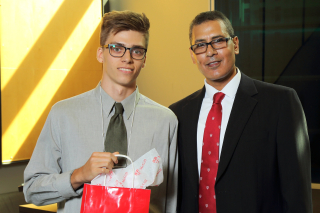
265 159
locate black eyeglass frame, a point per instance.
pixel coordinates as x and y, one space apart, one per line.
126 48
211 43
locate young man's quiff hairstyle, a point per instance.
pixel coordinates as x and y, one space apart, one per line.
117 21
211 16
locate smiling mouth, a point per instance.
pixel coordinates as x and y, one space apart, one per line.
213 63
125 69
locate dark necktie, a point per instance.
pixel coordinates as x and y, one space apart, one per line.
116 138
210 157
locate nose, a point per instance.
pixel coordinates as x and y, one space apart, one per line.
211 51
127 56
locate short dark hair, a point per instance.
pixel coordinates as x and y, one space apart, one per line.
211 16
117 21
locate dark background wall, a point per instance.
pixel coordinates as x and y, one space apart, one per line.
280 43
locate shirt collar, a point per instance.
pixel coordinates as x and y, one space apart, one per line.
130 102
107 102
229 90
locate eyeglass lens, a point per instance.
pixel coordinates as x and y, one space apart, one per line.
216 44
119 51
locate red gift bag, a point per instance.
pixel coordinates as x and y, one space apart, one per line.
104 199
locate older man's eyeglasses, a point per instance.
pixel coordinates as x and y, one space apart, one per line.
215 44
118 51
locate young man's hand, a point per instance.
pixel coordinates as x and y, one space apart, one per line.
98 163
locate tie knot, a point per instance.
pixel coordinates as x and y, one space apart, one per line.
218 97
119 108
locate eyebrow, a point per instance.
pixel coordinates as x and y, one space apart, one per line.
203 40
121 44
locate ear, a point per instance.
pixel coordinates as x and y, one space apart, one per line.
193 56
236 45
100 54
144 61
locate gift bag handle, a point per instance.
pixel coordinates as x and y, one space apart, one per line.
124 156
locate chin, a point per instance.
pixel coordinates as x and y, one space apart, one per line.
127 84
218 77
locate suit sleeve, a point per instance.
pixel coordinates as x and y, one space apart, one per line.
293 151
176 110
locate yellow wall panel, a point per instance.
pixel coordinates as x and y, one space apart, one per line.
48 53
169 74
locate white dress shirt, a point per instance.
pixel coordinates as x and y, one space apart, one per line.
230 91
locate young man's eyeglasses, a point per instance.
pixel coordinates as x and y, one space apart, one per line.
118 51
215 44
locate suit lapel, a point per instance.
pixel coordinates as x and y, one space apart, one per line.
242 108
190 115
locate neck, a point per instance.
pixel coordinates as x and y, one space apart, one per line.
117 92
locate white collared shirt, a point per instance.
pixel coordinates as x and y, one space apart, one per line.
230 91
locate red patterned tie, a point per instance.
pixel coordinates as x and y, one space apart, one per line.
210 157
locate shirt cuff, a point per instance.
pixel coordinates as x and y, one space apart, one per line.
64 187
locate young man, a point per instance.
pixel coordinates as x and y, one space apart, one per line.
80 136
243 144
